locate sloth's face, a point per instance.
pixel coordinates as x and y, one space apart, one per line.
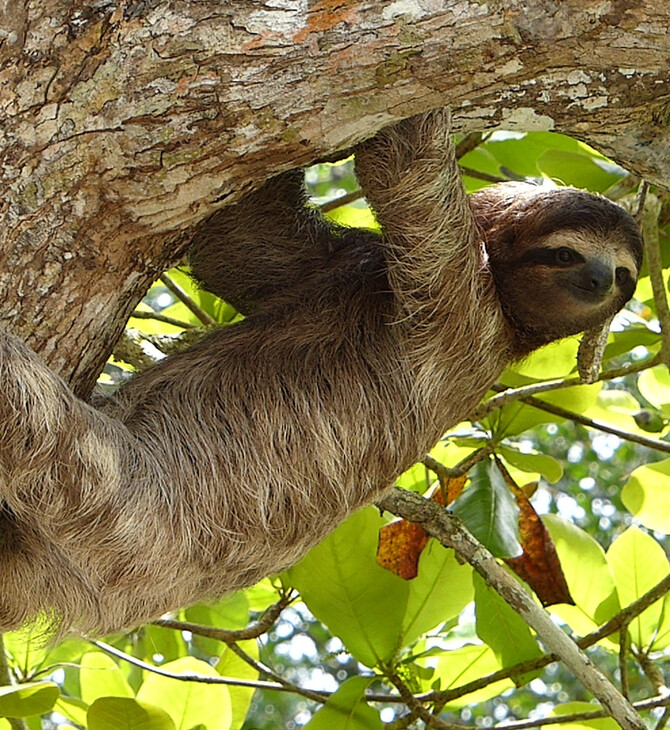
563 260
571 281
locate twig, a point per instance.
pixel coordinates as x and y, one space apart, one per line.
416 708
185 299
651 443
477 175
342 200
253 631
444 473
623 661
470 142
509 395
284 686
162 318
652 251
451 533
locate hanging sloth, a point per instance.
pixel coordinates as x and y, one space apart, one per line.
227 462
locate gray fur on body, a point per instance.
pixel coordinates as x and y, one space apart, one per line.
228 462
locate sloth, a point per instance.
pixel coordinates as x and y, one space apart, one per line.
227 462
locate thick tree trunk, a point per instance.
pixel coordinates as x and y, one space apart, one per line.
123 124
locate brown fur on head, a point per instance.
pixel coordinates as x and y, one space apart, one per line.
563 260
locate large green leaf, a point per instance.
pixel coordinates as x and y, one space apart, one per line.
647 495
489 511
32 698
189 703
637 563
345 588
501 628
588 576
654 385
439 592
124 713
347 709
100 676
550 468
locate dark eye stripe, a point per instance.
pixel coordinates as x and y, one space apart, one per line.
545 256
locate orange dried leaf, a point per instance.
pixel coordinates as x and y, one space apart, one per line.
401 542
400 546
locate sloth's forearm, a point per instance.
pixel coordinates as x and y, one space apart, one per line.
410 176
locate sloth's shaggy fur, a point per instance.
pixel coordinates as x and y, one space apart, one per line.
228 462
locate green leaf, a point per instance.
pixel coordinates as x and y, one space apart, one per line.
345 588
100 676
347 709
32 698
637 563
439 592
588 576
73 709
573 168
467 664
570 708
488 510
647 495
231 612
231 665
124 713
189 703
654 385
550 468
501 628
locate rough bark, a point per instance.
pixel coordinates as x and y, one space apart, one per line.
123 124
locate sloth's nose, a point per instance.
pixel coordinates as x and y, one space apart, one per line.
597 278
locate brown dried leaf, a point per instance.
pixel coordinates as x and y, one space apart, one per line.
538 565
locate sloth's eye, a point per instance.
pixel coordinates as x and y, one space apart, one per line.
622 275
564 256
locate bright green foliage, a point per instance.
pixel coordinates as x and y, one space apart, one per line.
33 698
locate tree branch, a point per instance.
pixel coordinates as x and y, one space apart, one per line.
451 533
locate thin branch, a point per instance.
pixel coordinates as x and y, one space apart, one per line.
186 300
444 473
416 708
651 443
510 395
468 143
342 200
137 314
285 686
652 251
477 175
253 631
623 661
451 533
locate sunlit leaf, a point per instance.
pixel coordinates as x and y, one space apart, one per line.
638 562
123 713
231 665
347 709
32 698
501 628
588 576
345 588
550 468
189 703
654 385
439 593
647 495
100 676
